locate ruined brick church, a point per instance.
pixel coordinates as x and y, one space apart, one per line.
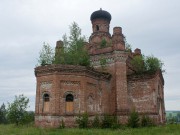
65 91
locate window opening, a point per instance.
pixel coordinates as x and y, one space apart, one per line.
97 28
69 98
69 103
46 103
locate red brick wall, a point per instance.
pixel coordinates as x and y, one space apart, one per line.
143 95
90 90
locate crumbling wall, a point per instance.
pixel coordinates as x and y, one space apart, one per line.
144 95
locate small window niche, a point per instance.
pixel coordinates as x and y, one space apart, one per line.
97 28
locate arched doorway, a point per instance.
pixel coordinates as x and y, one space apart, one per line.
69 103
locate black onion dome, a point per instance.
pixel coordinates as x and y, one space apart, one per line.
101 14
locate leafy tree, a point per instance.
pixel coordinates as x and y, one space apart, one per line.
17 110
178 116
74 51
28 117
133 120
171 120
170 115
46 55
3 112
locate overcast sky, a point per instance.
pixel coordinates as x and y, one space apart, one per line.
151 25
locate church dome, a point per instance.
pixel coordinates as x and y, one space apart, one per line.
100 14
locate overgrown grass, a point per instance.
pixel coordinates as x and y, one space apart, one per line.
24 130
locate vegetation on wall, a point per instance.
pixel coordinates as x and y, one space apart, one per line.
103 43
144 64
46 55
147 64
138 64
128 47
73 51
103 63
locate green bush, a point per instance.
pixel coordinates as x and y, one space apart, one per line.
103 43
138 64
28 118
96 122
148 64
115 126
109 121
106 121
153 64
133 120
62 125
103 63
82 120
146 121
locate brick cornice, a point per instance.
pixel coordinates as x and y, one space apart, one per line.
135 77
70 69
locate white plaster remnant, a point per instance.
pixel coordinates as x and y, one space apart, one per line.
46 85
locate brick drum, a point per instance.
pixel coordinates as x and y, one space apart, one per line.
65 91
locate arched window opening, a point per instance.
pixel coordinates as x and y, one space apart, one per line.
97 28
69 103
46 103
69 98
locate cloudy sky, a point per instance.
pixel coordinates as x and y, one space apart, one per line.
151 25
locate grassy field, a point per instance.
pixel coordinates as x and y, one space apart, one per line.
161 130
